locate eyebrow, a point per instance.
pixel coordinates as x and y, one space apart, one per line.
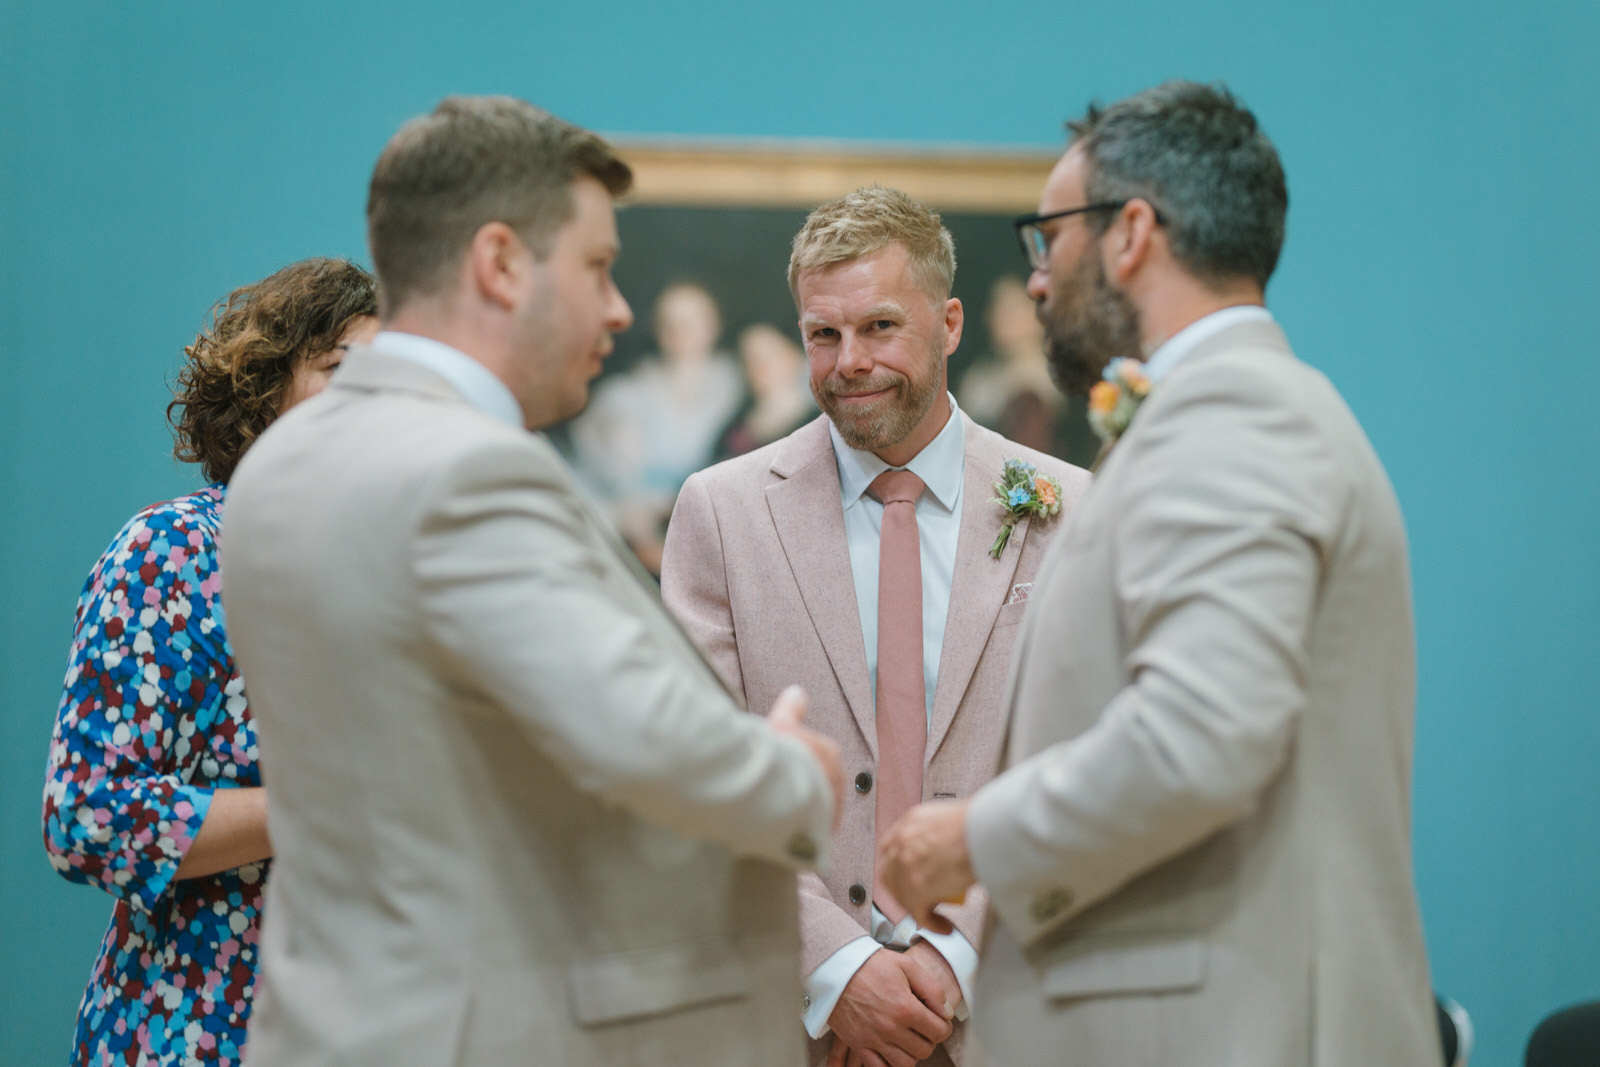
887 310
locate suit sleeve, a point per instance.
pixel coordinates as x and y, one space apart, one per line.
1216 541
526 603
694 582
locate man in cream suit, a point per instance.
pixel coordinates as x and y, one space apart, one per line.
772 565
516 817
1199 852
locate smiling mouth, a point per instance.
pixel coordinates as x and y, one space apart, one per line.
866 395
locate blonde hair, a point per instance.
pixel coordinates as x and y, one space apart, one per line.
868 221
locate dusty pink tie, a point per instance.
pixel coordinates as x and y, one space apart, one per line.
902 710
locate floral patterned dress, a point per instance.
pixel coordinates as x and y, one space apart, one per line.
152 720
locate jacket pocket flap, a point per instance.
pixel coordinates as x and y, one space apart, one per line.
634 985
1160 968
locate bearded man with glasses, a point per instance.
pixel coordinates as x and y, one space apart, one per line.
1198 851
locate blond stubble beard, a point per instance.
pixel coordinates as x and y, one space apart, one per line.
894 418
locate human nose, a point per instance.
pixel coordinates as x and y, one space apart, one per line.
853 357
1038 286
619 316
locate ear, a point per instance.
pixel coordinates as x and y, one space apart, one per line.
1131 241
954 318
496 260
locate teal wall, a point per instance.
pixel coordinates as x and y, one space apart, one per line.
1441 157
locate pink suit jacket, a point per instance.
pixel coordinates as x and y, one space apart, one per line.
757 570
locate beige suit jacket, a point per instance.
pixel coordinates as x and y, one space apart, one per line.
757 570
507 797
1200 852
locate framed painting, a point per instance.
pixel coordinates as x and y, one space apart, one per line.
718 218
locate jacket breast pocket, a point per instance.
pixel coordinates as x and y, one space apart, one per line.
1166 967
634 985
1011 614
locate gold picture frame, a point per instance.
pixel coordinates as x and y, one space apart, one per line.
802 174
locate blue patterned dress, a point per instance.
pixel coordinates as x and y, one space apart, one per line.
152 720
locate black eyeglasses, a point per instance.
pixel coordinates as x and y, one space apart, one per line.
1036 246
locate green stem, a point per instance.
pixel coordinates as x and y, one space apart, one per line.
999 545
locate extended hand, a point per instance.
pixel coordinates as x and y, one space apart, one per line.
926 862
885 1016
787 714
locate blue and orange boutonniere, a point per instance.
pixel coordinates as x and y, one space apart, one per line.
1116 397
1023 491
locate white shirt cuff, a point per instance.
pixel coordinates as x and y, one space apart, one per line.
825 985
962 958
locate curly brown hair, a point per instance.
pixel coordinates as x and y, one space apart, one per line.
240 365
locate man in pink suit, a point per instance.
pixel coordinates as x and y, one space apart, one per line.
772 564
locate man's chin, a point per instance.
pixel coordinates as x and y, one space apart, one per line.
861 434
1070 373
570 406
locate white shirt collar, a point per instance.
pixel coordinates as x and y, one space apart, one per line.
475 382
1186 340
940 463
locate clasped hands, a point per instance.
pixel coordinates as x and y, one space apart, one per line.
898 1007
895 1010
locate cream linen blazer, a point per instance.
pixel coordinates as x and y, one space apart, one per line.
1200 851
757 570
516 817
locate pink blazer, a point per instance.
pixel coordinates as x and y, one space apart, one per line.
757 571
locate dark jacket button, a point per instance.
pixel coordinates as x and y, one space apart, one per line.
858 894
863 782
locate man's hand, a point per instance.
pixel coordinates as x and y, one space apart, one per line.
787 714
893 1012
926 862
938 968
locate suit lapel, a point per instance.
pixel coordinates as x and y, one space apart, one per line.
980 585
809 519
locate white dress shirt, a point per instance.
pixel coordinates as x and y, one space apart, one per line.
466 375
941 466
1186 340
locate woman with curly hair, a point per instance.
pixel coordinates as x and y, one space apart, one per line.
153 792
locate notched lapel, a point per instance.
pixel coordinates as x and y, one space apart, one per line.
979 585
810 523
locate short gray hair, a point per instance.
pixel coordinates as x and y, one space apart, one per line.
870 220
475 160
1199 157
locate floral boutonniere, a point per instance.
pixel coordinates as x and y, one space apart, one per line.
1023 491
1117 396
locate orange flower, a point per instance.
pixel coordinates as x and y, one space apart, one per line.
1103 397
1046 491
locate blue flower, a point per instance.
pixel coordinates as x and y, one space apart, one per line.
1018 496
